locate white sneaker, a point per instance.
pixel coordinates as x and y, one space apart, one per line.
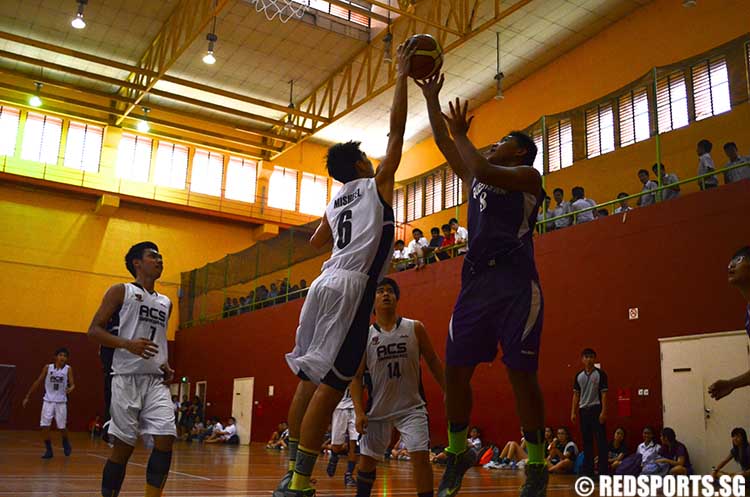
521 464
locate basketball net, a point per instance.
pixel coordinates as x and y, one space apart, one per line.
281 9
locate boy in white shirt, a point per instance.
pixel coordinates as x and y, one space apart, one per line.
417 247
706 165
223 435
579 203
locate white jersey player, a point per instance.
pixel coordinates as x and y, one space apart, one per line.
335 317
344 438
58 383
391 365
141 401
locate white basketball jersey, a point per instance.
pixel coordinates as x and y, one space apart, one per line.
346 401
362 226
142 315
395 382
56 384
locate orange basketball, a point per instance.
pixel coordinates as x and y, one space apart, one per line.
428 59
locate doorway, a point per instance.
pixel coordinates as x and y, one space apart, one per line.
242 407
200 391
689 365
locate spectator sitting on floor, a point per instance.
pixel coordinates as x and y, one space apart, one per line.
462 235
95 426
674 453
617 449
648 186
579 203
223 436
400 256
648 449
624 206
562 453
277 437
418 247
213 425
512 454
561 209
474 442
740 453
197 429
730 149
436 241
399 451
706 165
666 180
549 437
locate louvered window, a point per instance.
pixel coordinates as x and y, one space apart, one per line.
453 188
671 101
414 200
433 196
560 143
634 120
600 130
710 88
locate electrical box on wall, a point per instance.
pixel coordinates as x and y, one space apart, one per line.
270 390
633 313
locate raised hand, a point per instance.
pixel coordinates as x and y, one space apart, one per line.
431 86
403 57
457 121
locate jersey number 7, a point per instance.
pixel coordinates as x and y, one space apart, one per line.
153 333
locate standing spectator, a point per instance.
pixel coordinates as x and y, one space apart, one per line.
250 301
303 287
706 165
400 256
235 309
225 311
666 180
674 453
417 247
617 449
590 398
241 309
730 149
544 213
273 293
648 185
561 209
624 206
579 203
740 453
462 235
436 241
562 453
261 294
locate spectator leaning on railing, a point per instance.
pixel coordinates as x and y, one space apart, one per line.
560 209
435 243
666 180
417 247
648 185
730 149
579 203
400 256
462 235
624 206
706 165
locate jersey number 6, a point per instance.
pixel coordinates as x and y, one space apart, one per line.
344 229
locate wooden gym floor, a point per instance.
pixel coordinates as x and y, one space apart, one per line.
210 471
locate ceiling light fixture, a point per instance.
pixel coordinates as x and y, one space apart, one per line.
78 21
35 100
499 74
288 125
388 40
212 38
142 125
689 3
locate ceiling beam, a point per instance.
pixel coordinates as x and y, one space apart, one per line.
158 93
4 35
359 10
414 17
365 75
188 20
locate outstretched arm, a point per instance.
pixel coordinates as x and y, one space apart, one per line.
524 178
35 385
431 91
428 353
386 175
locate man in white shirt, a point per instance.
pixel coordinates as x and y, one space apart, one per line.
706 165
579 203
561 209
666 180
624 206
223 435
462 235
417 246
400 256
648 185
730 149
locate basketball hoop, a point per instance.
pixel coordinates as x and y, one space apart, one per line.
281 9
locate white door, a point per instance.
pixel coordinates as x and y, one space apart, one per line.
242 407
689 365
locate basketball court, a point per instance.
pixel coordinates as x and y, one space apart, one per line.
204 126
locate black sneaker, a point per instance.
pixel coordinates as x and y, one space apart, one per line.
349 480
456 466
332 463
308 492
283 484
67 449
536 481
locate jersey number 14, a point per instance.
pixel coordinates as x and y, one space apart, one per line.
394 370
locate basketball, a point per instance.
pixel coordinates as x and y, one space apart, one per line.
428 59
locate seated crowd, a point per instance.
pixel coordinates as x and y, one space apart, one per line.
420 251
278 293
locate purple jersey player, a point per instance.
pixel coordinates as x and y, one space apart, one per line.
500 300
739 276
